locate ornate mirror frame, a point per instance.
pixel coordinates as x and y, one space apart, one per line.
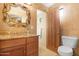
12 20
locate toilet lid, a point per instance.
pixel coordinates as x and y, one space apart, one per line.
65 49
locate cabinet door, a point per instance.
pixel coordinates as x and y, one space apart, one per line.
18 52
53 30
13 51
32 46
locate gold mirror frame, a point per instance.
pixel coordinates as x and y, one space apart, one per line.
6 18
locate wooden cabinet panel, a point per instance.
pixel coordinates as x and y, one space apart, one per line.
11 42
32 46
18 51
5 54
13 51
19 47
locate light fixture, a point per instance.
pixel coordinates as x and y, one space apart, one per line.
48 4
29 3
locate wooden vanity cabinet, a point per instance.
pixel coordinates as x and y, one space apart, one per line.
32 46
13 51
12 47
19 47
19 51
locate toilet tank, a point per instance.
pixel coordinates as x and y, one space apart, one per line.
69 41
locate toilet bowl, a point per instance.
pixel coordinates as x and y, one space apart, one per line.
65 51
68 43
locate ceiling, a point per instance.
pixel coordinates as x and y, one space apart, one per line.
44 6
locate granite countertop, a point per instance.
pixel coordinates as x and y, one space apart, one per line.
5 37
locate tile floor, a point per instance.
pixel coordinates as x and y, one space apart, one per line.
46 52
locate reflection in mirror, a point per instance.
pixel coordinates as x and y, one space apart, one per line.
16 14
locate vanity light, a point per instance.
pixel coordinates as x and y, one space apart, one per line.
29 3
48 4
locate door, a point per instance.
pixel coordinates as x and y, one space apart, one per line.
53 30
41 27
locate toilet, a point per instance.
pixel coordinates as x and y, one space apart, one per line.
67 46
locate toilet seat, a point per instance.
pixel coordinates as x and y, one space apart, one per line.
65 51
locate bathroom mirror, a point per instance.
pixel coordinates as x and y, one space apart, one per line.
15 14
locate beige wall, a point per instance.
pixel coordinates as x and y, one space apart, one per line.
33 19
70 21
39 6
1 8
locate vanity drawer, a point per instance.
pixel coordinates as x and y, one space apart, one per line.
11 42
13 51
